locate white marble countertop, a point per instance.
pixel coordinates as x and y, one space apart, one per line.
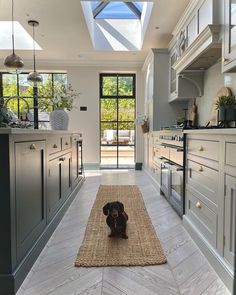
34 131
222 131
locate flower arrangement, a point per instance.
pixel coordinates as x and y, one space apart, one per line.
63 98
143 121
140 120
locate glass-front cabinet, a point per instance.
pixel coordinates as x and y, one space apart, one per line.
172 86
229 60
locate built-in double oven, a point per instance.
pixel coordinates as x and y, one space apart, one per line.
172 169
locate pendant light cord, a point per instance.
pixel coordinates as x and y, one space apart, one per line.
12 24
34 48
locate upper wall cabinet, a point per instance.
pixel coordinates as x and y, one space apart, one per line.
229 52
184 86
197 36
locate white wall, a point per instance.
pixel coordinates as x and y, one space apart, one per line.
85 79
213 81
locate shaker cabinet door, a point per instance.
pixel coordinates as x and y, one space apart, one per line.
66 188
230 203
229 60
30 194
54 198
75 162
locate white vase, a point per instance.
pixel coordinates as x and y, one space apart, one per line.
59 119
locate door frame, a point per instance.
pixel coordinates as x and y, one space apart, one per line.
117 97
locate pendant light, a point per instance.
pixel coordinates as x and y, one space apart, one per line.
13 62
34 76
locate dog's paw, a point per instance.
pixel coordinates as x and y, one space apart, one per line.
111 235
124 236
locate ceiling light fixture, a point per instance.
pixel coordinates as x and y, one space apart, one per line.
34 76
13 62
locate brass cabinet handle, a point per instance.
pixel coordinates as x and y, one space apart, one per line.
66 143
201 148
33 146
200 169
55 146
198 205
62 159
225 59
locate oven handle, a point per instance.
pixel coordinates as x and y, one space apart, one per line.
179 150
177 169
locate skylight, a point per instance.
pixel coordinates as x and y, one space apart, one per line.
117 25
117 10
23 40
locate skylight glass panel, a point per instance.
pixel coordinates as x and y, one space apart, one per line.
23 40
139 5
94 4
117 10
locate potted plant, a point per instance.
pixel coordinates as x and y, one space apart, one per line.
226 107
62 100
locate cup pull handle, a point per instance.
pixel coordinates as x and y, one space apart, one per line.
33 146
201 148
55 146
200 169
198 205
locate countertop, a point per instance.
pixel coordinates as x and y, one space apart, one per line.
34 131
221 131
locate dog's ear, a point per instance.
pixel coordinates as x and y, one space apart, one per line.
106 209
121 206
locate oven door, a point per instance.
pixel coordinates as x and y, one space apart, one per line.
165 178
177 188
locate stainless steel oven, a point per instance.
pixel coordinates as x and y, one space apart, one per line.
172 168
176 196
165 177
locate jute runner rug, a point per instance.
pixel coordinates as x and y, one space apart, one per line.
141 248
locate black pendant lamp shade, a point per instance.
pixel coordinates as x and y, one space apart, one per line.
13 62
34 76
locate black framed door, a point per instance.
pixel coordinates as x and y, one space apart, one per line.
117 114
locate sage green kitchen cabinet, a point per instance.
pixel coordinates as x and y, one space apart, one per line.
229 49
229 220
210 196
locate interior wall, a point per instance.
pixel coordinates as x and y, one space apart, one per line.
85 79
213 81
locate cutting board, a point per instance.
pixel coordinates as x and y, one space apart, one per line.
224 91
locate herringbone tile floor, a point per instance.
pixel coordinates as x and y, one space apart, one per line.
187 271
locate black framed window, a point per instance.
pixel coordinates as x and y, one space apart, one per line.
27 101
117 114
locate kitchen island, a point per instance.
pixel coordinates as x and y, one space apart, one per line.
40 174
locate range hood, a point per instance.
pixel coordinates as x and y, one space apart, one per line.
203 52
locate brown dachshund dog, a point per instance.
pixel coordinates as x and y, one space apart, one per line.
116 219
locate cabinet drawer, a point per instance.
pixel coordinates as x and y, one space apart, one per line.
230 152
202 217
203 179
66 142
54 145
177 156
164 152
204 148
156 154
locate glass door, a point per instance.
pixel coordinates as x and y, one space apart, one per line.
117 114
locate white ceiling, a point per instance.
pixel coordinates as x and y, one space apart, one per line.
64 37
